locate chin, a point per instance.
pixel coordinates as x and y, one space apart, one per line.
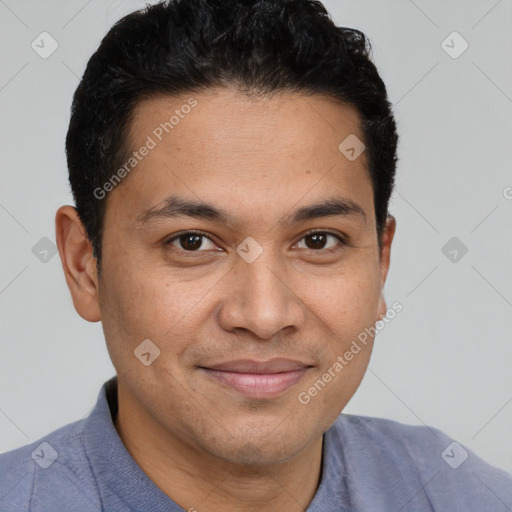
260 449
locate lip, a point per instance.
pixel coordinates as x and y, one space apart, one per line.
258 379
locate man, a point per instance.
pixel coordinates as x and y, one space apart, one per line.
231 163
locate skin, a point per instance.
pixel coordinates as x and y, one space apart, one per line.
204 444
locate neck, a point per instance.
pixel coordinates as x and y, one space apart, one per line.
197 480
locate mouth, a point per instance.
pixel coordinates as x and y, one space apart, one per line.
254 379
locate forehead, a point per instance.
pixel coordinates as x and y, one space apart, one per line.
227 149
229 118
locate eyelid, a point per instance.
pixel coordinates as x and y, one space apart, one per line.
341 238
197 232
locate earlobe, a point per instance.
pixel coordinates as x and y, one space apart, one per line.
78 263
385 253
382 307
385 258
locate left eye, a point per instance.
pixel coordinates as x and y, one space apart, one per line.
318 240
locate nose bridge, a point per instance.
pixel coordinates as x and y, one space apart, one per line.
261 282
261 301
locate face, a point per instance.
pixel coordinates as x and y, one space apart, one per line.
265 284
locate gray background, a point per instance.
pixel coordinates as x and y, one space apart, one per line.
445 360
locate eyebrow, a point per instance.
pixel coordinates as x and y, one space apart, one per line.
175 206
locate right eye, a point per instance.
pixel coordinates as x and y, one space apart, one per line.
190 241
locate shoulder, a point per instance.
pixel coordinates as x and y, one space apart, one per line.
421 442
443 471
52 471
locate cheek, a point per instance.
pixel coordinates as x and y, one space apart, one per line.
153 304
346 302
346 306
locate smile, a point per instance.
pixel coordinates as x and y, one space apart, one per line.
258 380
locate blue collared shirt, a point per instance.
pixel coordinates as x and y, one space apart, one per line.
369 464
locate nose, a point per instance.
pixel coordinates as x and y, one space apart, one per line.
261 299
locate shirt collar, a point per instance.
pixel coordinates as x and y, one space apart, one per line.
120 479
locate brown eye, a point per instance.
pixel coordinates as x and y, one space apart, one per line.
191 242
321 241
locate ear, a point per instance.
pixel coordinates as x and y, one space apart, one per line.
384 258
79 265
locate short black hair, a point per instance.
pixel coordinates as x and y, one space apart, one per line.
260 47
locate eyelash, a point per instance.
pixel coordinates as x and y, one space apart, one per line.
340 238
